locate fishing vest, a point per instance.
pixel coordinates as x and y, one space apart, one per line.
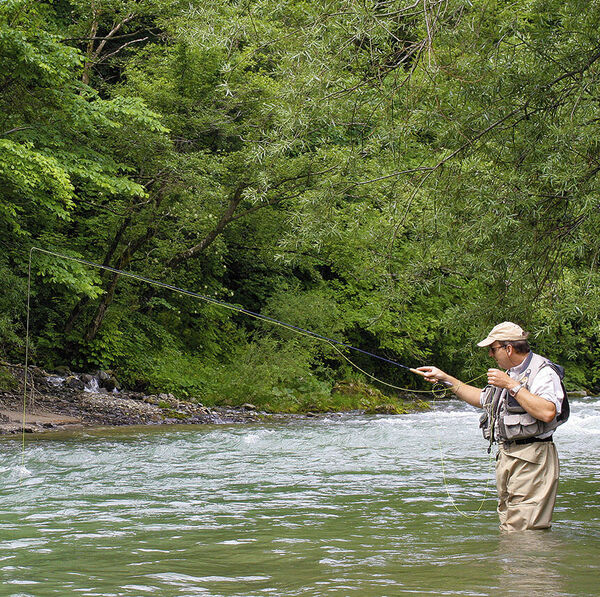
505 420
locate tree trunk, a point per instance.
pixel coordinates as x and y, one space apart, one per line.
107 299
101 310
79 307
87 65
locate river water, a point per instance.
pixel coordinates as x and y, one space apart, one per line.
346 505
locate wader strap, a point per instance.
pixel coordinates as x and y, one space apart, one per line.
495 413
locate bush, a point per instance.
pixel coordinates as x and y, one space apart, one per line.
270 375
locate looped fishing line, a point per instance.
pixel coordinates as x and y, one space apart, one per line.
438 391
464 513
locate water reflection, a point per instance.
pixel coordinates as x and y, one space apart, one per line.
530 563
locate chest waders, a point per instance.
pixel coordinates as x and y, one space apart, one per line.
505 420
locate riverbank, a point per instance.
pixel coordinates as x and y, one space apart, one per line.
67 409
62 403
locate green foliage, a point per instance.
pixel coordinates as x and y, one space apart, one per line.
270 375
13 289
168 370
76 277
398 180
36 178
8 382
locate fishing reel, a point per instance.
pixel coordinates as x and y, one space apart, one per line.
440 389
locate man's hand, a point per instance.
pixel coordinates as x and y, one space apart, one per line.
469 394
535 405
431 374
500 379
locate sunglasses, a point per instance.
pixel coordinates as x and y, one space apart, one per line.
493 349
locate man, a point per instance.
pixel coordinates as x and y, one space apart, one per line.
523 406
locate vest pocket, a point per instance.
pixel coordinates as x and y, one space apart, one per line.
485 425
519 426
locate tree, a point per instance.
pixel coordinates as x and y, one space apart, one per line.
420 170
58 151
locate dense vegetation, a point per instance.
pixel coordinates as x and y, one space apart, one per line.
400 176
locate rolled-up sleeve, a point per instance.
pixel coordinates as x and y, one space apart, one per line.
547 385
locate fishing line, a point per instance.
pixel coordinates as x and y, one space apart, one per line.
219 303
463 513
301 331
437 391
466 514
26 362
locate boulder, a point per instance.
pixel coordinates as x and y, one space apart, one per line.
74 383
111 384
102 376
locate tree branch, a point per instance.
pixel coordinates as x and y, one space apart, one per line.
101 37
16 130
133 41
212 235
111 34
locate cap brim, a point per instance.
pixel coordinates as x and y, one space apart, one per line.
486 342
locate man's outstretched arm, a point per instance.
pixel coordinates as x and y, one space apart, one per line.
470 394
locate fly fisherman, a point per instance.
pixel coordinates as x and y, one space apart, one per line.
522 408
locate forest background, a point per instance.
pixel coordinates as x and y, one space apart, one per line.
397 175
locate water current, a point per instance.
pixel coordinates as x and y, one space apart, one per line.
343 505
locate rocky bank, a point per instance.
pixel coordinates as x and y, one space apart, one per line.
64 400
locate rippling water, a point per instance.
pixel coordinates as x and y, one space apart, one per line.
341 506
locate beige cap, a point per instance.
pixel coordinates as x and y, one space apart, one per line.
504 332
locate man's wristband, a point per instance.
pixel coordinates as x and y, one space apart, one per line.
514 391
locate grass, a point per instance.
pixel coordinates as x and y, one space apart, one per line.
345 396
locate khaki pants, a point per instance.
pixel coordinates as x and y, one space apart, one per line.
527 480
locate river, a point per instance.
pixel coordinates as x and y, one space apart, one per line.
343 505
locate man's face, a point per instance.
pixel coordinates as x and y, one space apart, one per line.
500 352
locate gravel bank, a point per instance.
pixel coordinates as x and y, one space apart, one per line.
50 406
